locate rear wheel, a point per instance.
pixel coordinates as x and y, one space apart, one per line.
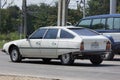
15 55
96 60
67 59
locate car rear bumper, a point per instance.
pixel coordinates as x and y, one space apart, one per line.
92 52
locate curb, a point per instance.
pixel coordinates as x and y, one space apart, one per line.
18 77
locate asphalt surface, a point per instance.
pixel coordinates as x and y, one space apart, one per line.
80 70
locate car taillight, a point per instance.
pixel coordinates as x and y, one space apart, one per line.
108 46
82 46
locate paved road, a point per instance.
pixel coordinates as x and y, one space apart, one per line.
81 70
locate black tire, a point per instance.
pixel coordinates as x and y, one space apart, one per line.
46 60
15 55
109 56
67 59
96 60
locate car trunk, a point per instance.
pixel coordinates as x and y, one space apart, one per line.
94 43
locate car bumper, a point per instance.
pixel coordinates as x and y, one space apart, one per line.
92 52
4 51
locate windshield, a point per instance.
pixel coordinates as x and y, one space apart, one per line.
84 32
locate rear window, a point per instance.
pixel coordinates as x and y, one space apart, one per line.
84 32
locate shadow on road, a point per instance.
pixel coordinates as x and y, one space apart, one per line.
57 63
116 59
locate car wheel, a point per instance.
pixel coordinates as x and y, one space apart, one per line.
109 56
15 55
96 60
46 60
67 59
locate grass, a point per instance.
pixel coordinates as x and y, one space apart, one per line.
8 37
2 43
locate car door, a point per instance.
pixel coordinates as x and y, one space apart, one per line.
49 44
31 47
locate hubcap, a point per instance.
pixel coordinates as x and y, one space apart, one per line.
65 58
14 55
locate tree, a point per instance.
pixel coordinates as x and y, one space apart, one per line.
97 7
10 19
74 16
118 6
37 16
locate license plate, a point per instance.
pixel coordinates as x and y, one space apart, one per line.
95 45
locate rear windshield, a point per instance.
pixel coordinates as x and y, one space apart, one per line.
84 32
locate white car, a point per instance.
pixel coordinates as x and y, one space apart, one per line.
66 43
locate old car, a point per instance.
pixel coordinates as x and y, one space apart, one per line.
66 43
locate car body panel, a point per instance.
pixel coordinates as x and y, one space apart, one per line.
49 48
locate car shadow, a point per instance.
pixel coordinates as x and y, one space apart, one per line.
58 63
117 59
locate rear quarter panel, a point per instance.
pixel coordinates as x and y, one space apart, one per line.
68 46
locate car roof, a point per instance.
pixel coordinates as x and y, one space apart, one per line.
103 16
60 27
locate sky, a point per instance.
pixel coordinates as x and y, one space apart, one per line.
73 3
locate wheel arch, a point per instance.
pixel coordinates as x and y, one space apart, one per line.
63 53
11 47
110 38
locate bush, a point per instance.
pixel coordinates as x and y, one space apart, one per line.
8 37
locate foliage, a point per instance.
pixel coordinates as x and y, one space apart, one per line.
10 19
46 15
8 37
118 4
97 7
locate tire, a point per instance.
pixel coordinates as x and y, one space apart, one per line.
67 59
46 60
96 60
15 55
109 56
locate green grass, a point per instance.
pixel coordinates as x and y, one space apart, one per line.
2 43
8 37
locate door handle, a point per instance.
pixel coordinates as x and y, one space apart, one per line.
38 43
53 43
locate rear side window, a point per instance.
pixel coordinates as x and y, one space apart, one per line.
66 35
117 23
98 24
109 25
85 23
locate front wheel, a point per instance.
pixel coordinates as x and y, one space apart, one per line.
67 59
96 60
15 55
